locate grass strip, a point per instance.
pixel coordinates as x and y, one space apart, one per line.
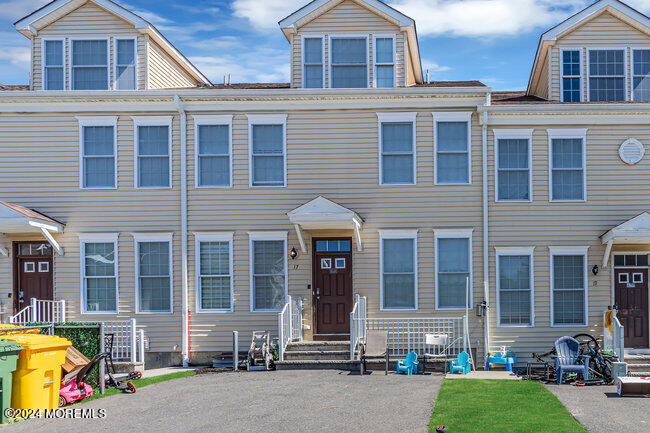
142 382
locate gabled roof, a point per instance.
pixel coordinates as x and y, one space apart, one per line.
12 215
321 209
291 20
32 23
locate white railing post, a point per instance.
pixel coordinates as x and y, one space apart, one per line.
300 319
281 335
133 342
141 347
34 312
465 333
62 316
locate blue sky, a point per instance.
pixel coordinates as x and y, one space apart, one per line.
489 40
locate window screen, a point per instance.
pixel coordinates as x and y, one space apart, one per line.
452 152
569 289
313 67
384 62
397 153
153 157
125 65
215 279
100 282
154 276
513 170
269 274
268 155
214 155
641 75
53 68
98 157
567 170
349 63
453 271
90 65
399 269
514 290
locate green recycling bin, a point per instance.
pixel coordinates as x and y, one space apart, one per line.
9 351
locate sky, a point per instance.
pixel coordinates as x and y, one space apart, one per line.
489 40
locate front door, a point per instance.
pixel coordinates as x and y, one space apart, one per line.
631 296
33 273
332 289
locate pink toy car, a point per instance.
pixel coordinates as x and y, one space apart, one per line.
72 392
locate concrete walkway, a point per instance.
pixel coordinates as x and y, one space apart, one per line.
166 370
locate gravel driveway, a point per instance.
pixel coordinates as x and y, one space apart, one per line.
280 401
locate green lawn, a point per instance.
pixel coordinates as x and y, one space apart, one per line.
142 382
471 405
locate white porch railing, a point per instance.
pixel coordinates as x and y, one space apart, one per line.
40 311
289 324
128 342
357 324
615 340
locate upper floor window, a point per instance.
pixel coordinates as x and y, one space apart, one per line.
53 65
313 63
568 175
125 76
349 62
571 76
98 151
153 152
90 64
452 148
513 160
397 152
641 75
213 151
267 150
384 61
606 75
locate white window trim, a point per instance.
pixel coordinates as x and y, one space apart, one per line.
329 56
454 234
396 118
87 238
398 234
213 237
374 57
150 121
266 119
96 121
582 71
453 116
43 62
520 134
153 237
516 251
570 251
135 58
633 51
208 120
568 134
108 61
302 58
626 78
266 236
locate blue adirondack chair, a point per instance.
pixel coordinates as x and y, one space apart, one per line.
566 359
409 365
461 364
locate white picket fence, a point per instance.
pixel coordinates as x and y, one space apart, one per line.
128 341
40 310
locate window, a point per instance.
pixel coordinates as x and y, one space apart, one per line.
333 246
90 64
513 160
515 286
313 63
641 75
349 62
384 61
623 278
632 260
53 65
154 273
637 278
213 137
99 274
267 146
568 175
398 270
569 286
339 263
606 75
268 271
397 152
153 156
125 73
98 151
454 268
214 277
452 147
571 75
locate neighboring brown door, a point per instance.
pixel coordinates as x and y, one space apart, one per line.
33 273
332 287
631 296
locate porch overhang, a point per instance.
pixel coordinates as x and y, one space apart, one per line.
634 231
323 214
17 219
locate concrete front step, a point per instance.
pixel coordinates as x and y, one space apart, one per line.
317 355
317 365
637 359
639 373
318 346
638 367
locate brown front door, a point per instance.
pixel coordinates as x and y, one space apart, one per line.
332 289
33 273
631 296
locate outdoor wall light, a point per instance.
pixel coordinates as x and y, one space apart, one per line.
595 270
293 254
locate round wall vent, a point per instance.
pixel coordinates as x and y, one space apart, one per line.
631 151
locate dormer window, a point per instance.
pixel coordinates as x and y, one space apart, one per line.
641 81
607 75
89 64
349 62
313 63
125 64
384 61
53 67
571 76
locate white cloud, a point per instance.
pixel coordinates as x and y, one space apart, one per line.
433 66
265 16
264 65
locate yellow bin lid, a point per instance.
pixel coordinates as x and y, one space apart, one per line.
38 341
5 328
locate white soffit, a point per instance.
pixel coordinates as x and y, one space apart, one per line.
634 231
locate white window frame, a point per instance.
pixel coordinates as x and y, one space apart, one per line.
627 278
266 119
200 237
98 238
516 251
135 59
567 134
626 80
153 237
570 251
397 118
375 63
580 77
633 51
208 120
512 134
634 274
151 121
302 58
398 234
454 234
43 61
266 236
329 56
454 116
85 121
108 61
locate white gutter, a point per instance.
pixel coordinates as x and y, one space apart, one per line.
483 118
185 349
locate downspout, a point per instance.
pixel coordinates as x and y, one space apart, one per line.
486 249
185 321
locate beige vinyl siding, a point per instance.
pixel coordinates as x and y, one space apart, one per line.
163 72
296 61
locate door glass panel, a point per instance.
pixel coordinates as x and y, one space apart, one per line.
342 246
35 250
30 267
637 278
43 267
623 278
